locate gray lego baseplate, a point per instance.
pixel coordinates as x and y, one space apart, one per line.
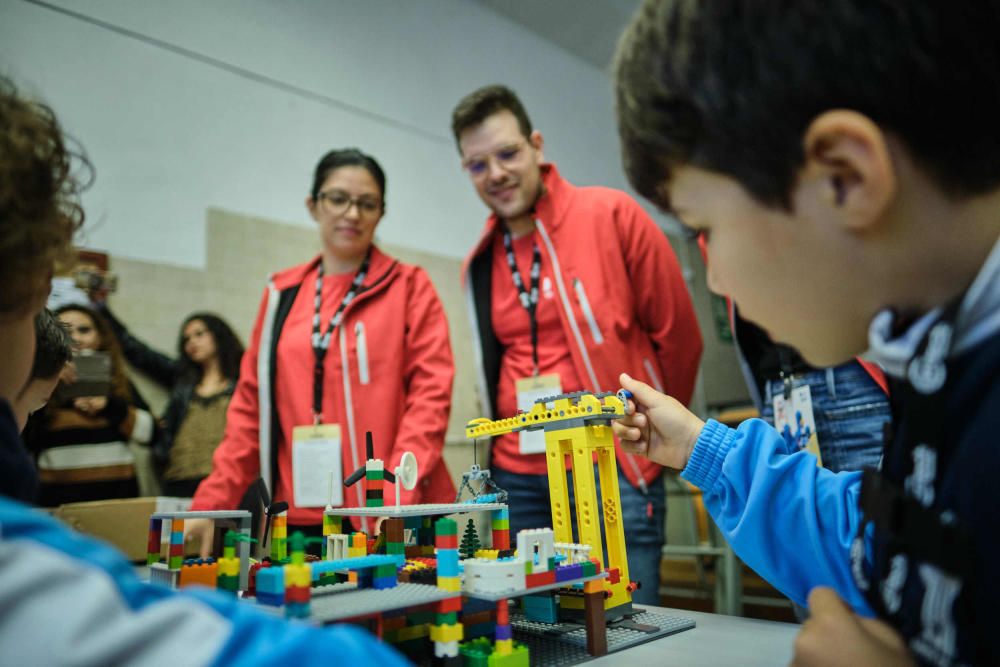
326 608
555 645
436 509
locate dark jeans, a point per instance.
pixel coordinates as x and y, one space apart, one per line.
528 499
850 411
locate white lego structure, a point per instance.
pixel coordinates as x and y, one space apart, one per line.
485 575
536 545
337 546
574 553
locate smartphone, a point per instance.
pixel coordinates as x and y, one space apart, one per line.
93 376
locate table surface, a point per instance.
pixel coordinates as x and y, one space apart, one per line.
715 641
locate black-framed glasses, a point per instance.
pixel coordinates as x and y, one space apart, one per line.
506 156
338 202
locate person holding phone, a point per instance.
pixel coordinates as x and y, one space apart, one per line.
81 439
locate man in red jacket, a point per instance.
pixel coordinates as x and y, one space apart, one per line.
566 287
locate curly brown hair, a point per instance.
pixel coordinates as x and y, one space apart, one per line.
39 199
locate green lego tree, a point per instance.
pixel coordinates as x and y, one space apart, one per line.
470 541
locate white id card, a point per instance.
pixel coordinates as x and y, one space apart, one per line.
530 390
315 457
795 421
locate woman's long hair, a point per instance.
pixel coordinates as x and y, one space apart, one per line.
228 348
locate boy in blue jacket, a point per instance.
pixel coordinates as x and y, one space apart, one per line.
842 162
65 598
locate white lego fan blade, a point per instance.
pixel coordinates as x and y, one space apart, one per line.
406 472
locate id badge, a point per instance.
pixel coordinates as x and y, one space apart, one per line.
315 457
795 421
530 390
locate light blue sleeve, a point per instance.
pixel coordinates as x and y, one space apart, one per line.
66 598
788 519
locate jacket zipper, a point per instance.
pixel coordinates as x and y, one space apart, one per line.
264 387
362 348
588 314
557 272
349 406
657 385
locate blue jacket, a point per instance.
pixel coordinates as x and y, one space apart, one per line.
796 524
66 598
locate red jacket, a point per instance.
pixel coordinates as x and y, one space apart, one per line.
625 306
388 370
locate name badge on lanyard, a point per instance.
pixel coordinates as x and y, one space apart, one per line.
530 390
317 472
793 417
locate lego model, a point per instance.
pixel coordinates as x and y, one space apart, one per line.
578 426
445 603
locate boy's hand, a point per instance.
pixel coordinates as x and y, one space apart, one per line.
835 636
659 428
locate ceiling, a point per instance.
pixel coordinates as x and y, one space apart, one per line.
588 29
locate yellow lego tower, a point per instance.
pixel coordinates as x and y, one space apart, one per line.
579 426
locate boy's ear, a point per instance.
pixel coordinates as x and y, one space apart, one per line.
849 154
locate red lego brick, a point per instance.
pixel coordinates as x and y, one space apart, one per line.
446 541
297 594
614 576
448 605
540 579
503 613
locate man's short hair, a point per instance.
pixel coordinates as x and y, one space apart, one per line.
480 104
732 86
53 346
39 209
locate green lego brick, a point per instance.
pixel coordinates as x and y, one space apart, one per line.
589 569
385 571
517 658
374 502
501 524
451 618
446 527
374 474
476 653
395 548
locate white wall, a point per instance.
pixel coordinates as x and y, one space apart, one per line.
171 135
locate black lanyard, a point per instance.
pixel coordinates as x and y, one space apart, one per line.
528 298
321 342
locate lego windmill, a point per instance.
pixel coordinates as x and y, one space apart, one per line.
374 473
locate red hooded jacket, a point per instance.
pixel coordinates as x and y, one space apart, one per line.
388 370
624 303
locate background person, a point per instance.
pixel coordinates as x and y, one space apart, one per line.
351 341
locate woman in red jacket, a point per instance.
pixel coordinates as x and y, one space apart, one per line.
352 341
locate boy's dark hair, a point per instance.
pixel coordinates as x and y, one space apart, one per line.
347 157
731 86
39 209
480 104
228 347
53 346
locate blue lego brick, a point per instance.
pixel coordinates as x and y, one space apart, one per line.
447 563
540 608
504 632
381 583
473 605
270 580
272 599
567 572
358 564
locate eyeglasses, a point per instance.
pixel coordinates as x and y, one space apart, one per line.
338 202
506 157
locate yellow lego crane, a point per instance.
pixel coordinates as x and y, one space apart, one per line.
578 425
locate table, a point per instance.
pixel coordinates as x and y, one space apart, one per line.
716 641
